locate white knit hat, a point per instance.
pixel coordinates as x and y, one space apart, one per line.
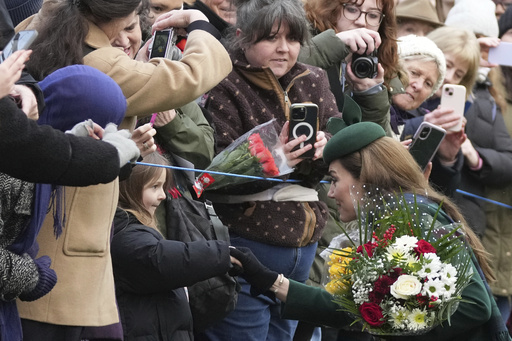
478 16
413 45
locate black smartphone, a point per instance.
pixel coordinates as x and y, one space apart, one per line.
304 121
164 45
21 41
425 143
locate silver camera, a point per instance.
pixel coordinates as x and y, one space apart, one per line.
164 45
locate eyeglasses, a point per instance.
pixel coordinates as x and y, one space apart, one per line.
373 18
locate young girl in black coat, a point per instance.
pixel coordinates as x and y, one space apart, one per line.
151 273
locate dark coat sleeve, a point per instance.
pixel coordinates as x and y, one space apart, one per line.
6 25
496 154
145 263
42 154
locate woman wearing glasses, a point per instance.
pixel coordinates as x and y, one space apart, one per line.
346 28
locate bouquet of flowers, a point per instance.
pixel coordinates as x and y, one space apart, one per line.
402 274
256 154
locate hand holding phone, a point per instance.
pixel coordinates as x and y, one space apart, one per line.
454 97
304 121
425 143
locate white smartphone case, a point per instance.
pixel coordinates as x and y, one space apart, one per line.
454 97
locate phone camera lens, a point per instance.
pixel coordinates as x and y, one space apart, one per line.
424 133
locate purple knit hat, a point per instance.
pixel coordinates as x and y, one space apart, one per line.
79 92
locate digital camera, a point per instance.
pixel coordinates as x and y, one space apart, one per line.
164 45
365 66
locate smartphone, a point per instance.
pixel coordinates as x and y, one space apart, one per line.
454 97
164 45
21 41
501 54
304 121
425 143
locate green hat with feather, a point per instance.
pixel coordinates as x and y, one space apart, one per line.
349 133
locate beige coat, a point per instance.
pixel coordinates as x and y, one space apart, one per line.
160 84
84 294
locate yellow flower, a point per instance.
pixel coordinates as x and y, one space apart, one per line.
337 287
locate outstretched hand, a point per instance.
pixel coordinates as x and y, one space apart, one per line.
259 276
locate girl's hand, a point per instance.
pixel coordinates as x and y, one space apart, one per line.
10 71
164 117
406 143
321 141
360 40
471 156
143 138
362 84
177 19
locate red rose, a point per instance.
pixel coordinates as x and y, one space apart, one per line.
424 247
372 313
368 247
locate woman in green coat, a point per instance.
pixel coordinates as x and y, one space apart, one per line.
376 160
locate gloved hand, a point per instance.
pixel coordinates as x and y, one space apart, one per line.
126 148
46 282
259 276
82 128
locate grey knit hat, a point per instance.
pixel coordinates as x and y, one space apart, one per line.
19 10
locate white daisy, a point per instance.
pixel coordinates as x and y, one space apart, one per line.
406 243
399 317
449 273
418 319
433 288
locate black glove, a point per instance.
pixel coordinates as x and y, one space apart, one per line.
47 280
259 276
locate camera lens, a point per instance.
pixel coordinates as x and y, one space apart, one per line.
424 133
365 66
361 67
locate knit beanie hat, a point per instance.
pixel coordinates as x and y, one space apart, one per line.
505 22
413 45
20 10
478 16
79 92
421 10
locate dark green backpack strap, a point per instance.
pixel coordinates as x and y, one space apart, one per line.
221 231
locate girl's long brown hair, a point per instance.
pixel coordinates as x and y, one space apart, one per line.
387 164
130 190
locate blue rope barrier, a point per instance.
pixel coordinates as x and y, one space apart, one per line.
219 173
295 181
484 199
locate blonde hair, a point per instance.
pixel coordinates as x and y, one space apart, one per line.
130 190
386 164
463 45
